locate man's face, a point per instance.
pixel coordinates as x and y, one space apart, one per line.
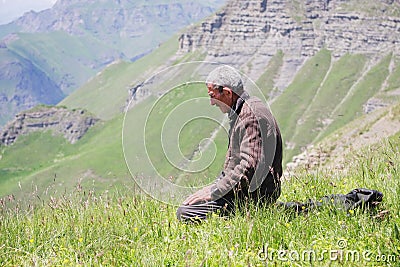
223 100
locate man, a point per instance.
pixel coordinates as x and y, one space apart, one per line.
253 164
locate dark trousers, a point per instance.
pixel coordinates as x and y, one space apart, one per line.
199 212
225 205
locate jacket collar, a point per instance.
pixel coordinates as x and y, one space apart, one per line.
238 106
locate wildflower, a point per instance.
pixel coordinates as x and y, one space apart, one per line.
135 229
231 251
31 240
65 261
287 224
351 211
80 240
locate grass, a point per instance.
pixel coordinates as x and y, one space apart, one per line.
323 98
85 228
338 82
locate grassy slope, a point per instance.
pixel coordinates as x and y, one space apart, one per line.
266 80
351 105
394 79
105 95
305 104
77 56
342 76
322 99
294 101
89 229
97 159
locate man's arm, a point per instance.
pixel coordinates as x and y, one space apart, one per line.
249 154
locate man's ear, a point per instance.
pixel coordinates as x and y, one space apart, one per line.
228 91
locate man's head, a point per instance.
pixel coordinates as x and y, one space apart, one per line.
224 85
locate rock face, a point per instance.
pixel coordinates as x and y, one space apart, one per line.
255 30
72 124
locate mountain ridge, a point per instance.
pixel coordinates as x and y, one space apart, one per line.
70 42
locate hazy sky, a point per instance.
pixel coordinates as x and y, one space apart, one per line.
12 9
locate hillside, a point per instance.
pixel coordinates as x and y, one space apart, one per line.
85 227
71 42
361 132
322 91
21 89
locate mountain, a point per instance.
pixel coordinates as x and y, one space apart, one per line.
23 85
330 69
319 62
254 31
73 40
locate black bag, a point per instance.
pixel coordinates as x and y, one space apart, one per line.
357 198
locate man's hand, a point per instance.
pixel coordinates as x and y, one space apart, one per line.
201 196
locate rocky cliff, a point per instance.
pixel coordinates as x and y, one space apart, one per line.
253 31
72 124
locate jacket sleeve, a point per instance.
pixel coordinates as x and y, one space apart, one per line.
242 162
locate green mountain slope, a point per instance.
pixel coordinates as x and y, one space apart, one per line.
97 160
73 40
106 94
327 93
325 96
89 228
22 85
68 60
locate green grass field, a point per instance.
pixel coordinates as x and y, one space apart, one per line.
129 229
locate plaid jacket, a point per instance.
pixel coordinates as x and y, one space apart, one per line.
253 164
